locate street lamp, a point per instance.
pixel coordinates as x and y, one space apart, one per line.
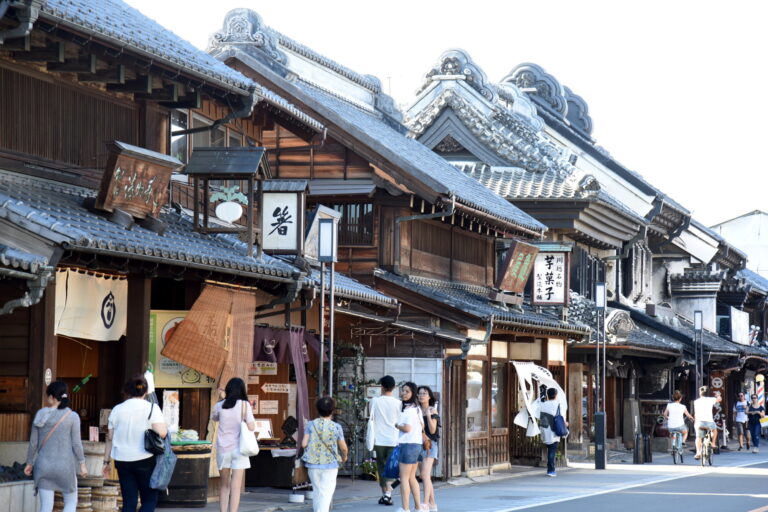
326 253
698 326
600 434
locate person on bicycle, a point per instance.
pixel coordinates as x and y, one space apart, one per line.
704 421
740 420
675 414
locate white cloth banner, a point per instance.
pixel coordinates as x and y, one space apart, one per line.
90 307
529 376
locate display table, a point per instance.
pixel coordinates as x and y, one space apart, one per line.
189 483
270 471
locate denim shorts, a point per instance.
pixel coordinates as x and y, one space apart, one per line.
705 424
431 453
409 453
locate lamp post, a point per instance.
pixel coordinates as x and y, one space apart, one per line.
600 434
326 253
698 326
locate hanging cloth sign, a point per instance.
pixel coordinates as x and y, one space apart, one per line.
529 375
90 307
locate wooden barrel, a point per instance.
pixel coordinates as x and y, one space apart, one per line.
104 499
189 483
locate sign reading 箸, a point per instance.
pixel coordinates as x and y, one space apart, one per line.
550 279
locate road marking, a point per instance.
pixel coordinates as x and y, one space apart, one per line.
740 494
761 509
706 471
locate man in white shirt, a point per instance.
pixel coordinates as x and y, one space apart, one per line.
702 411
740 420
384 414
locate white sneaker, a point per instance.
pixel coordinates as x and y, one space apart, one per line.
755 450
401 509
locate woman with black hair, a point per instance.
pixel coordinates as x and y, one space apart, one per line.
230 412
411 427
127 424
55 449
431 438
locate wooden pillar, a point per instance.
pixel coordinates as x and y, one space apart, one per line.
42 347
575 396
136 348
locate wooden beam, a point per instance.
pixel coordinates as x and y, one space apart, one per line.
21 43
142 84
192 100
168 93
53 52
42 347
86 64
136 345
113 75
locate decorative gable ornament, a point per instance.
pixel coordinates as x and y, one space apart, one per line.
532 78
455 63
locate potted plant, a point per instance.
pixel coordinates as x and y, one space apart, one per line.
369 469
229 210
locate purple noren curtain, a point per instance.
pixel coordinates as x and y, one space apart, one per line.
298 353
314 343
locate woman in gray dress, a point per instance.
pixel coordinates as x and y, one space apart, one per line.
55 450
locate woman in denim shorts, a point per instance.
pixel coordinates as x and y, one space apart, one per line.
431 439
411 427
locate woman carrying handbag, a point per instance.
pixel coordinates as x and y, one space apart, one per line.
134 426
232 413
324 447
55 450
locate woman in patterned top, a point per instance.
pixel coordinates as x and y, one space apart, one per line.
324 447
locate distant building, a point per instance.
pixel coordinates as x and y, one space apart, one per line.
749 232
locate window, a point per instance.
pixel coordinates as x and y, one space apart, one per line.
498 394
179 145
201 139
219 137
476 418
235 139
356 223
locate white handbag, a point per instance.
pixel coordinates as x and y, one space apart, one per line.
369 434
249 446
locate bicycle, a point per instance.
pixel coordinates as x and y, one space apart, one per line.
677 447
706 448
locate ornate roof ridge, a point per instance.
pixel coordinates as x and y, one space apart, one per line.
357 104
512 139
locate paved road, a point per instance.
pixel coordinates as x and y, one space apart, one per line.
738 482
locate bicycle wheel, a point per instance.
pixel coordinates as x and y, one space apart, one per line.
675 455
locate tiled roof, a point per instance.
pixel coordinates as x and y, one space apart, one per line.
56 208
474 301
412 156
286 106
347 287
516 183
758 282
119 23
21 260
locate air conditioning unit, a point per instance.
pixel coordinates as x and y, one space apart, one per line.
724 325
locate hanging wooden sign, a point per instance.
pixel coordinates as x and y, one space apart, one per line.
516 267
135 180
550 279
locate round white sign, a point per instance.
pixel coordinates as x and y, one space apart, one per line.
48 377
717 382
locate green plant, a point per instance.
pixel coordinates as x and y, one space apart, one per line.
369 467
229 194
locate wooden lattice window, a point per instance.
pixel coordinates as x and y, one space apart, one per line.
356 223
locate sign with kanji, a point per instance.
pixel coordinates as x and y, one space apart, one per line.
275 387
550 279
516 267
135 180
282 222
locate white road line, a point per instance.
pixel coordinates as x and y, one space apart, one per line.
740 494
705 471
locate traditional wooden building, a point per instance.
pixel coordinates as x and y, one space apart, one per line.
419 230
529 139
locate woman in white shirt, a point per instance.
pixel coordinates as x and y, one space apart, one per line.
411 428
125 444
675 414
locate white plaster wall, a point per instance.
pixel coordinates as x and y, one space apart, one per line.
750 234
707 305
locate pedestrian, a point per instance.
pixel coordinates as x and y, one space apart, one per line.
411 427
127 424
547 412
324 447
429 450
755 411
55 449
384 413
676 413
230 412
740 420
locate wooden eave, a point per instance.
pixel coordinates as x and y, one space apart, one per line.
588 221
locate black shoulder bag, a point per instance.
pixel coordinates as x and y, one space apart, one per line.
153 443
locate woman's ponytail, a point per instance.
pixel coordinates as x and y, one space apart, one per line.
58 390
